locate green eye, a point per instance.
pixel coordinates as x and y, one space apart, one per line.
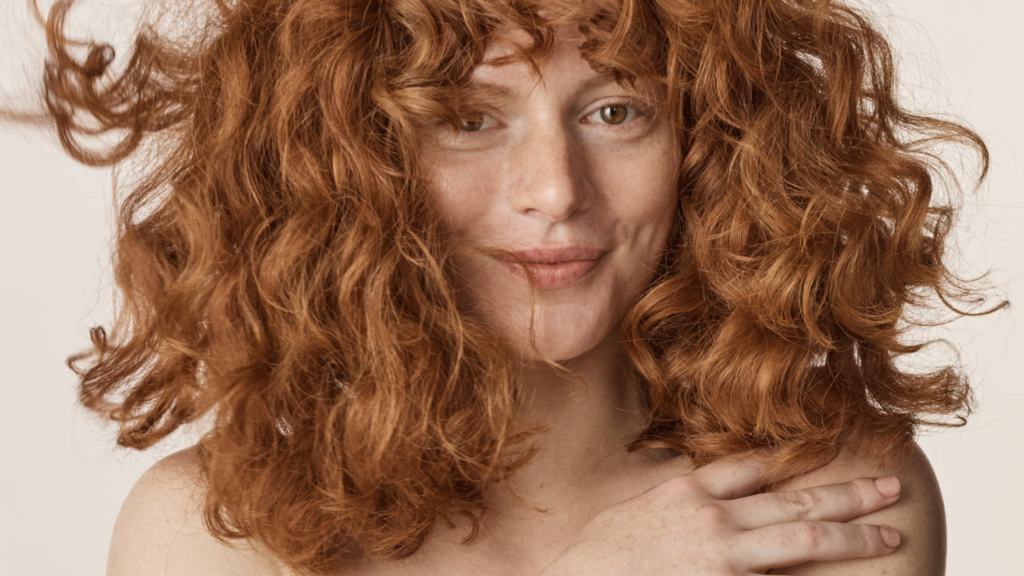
614 114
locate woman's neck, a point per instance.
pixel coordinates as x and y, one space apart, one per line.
590 414
589 418
581 467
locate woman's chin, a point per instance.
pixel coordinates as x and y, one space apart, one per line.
560 344
554 351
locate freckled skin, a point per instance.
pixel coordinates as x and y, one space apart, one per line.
544 167
547 169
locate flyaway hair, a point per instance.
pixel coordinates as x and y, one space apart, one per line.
282 271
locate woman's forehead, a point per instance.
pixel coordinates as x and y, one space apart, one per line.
501 59
501 71
506 40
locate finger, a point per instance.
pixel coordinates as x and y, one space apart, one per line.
734 476
835 503
792 543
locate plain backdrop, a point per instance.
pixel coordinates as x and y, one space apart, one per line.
62 479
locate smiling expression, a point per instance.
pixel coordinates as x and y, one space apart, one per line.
572 174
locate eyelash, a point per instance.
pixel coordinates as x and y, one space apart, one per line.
639 112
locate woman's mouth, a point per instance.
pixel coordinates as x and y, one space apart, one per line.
554 268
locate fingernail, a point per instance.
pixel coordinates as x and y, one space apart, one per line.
889 536
888 486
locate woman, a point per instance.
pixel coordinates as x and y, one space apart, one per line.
482 288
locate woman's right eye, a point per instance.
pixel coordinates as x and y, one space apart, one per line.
473 123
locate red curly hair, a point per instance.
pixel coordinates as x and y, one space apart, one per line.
282 267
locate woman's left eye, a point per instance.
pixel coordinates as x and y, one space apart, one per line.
614 114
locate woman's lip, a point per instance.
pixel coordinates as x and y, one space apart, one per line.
558 255
552 269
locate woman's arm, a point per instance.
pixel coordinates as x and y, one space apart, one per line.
160 532
918 515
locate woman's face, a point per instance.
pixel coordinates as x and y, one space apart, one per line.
575 175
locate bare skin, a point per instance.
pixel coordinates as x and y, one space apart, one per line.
580 473
544 167
160 530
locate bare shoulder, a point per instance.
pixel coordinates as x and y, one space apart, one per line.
918 515
160 530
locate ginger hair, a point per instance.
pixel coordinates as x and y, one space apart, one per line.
281 269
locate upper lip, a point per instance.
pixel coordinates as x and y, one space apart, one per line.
556 255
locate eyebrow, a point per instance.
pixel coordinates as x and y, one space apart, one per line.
594 82
488 90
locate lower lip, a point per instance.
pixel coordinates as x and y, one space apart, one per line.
552 276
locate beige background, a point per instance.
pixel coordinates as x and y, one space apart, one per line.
62 480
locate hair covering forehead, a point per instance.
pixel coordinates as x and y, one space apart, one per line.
511 30
282 245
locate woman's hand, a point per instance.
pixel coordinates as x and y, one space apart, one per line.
711 522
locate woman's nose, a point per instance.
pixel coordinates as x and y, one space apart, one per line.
552 180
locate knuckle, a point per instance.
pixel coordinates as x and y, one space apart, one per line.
809 535
711 514
863 540
863 491
801 503
869 538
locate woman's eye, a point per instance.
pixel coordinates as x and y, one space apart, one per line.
473 123
614 114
